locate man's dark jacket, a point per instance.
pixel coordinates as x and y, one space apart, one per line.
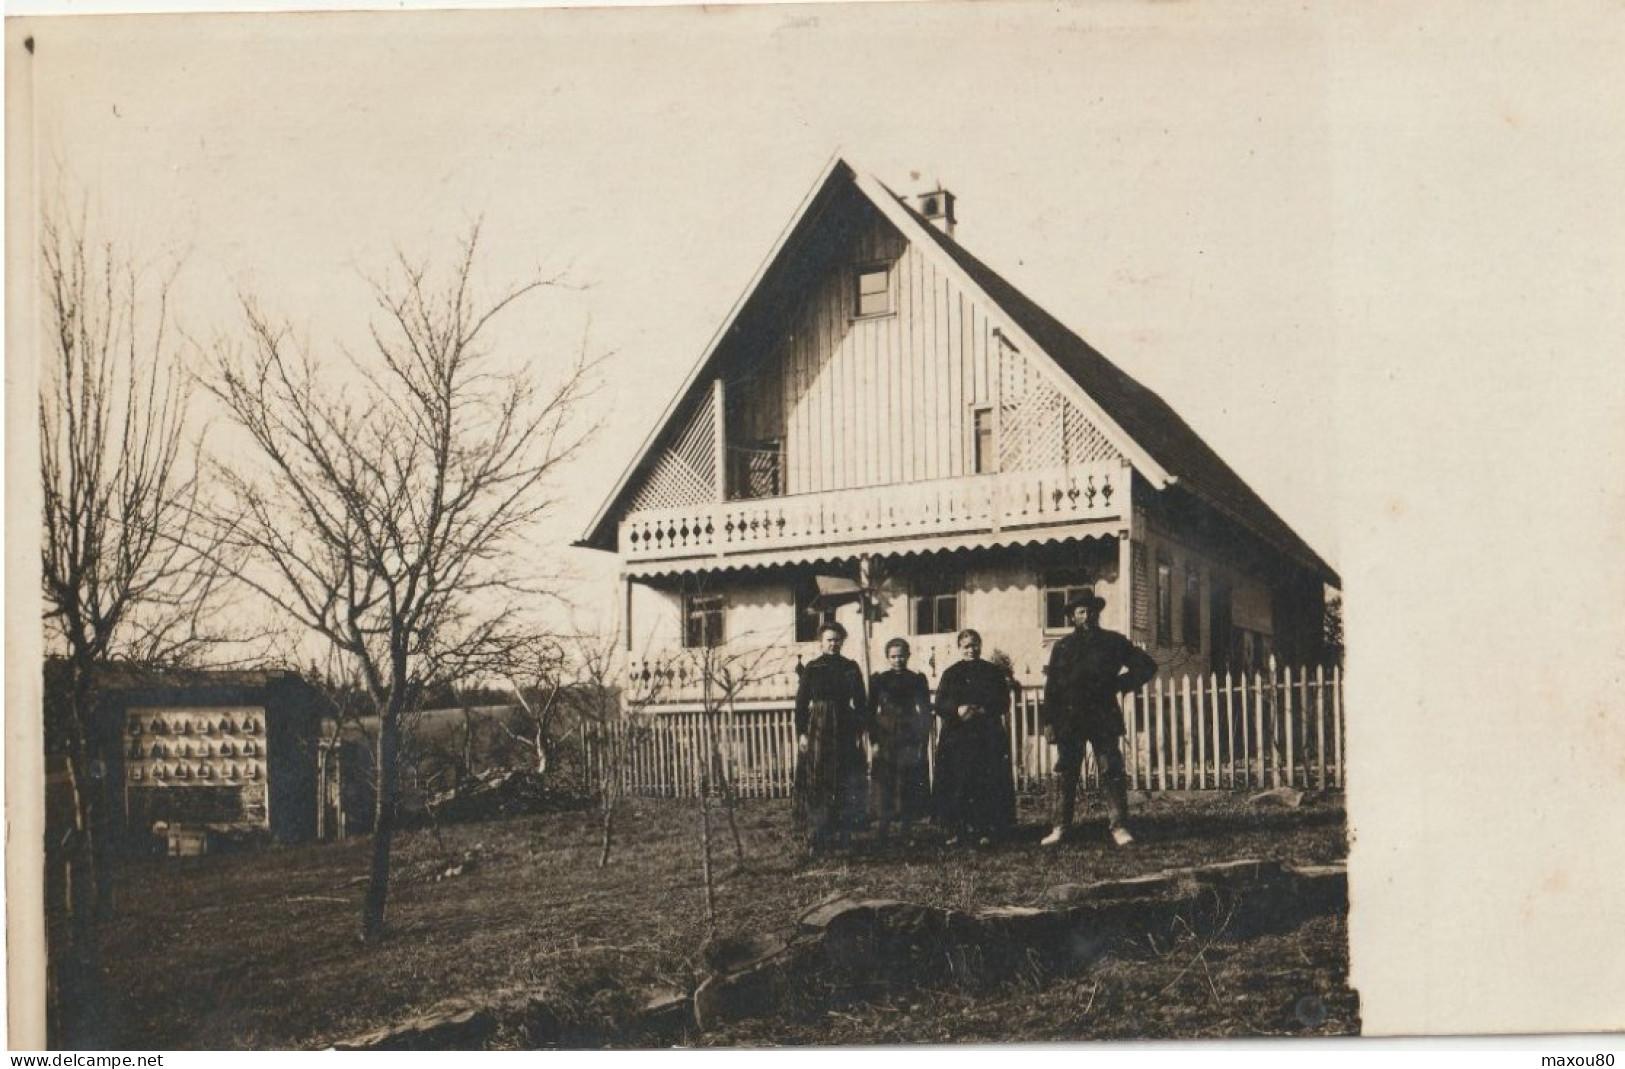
1087 672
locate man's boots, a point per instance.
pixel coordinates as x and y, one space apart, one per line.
1117 803
1066 801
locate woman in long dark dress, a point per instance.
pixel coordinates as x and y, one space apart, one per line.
900 712
832 717
975 790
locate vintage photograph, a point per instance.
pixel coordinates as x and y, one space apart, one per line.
630 528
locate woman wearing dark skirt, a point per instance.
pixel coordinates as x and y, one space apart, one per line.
900 712
975 791
832 716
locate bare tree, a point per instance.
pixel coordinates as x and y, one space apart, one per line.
122 578
394 487
616 725
540 668
723 673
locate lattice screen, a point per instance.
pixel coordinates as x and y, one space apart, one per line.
1039 428
686 473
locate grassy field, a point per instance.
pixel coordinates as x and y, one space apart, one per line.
260 950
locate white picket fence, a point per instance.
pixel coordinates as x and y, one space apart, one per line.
1213 732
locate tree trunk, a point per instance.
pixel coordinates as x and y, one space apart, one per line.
92 882
383 832
87 872
608 829
725 789
705 858
609 764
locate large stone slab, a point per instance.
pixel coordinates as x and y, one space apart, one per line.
667 1018
762 989
1279 798
1012 940
849 948
733 953
1238 875
456 1026
818 917
1321 888
880 942
1148 886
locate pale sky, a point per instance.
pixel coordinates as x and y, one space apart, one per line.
1373 252
1161 185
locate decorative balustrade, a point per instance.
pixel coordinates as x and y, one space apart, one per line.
753 675
688 678
974 504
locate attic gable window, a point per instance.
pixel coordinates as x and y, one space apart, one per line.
872 291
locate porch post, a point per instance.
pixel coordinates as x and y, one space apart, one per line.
865 590
1125 571
626 613
719 419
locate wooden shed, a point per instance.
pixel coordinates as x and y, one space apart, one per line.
228 752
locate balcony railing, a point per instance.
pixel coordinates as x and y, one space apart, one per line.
992 504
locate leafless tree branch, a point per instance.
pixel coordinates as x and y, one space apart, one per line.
394 488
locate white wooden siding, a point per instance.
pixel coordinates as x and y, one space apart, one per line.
888 399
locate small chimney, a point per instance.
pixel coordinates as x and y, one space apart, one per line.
938 208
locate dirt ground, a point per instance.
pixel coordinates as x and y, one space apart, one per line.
260 950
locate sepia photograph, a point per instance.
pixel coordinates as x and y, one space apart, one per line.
746 526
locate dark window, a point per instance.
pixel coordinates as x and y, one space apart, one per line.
936 610
1060 588
808 618
1250 650
873 291
1165 602
982 441
704 617
757 469
1219 624
1190 619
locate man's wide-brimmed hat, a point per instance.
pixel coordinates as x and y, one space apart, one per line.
1085 600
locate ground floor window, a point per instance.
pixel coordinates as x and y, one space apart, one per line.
809 618
1250 651
1165 601
936 609
704 620
1190 619
1060 588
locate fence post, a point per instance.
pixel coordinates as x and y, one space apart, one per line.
1203 718
1303 725
1185 721
1154 733
1130 704
1012 734
1229 731
1288 716
1259 744
1337 722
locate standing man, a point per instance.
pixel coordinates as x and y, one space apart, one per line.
1088 670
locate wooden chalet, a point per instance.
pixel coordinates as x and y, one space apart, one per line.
882 406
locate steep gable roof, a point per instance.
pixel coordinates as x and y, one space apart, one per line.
1140 412
1159 444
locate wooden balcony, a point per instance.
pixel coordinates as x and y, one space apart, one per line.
978 509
